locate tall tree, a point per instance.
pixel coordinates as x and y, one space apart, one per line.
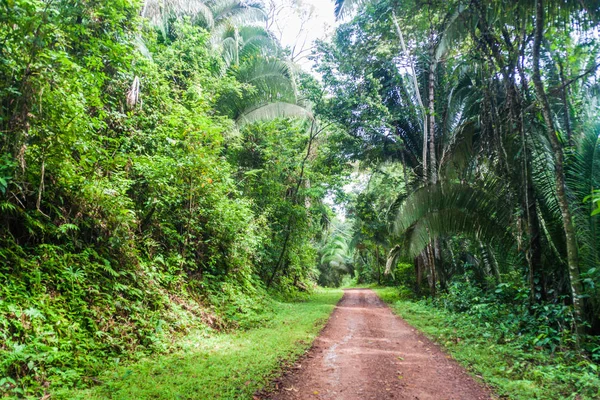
561 187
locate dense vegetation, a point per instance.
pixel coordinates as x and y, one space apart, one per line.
146 186
476 125
243 363
164 166
490 344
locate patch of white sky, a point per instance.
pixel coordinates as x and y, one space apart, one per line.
358 183
299 23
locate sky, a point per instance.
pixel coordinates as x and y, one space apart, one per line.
292 28
301 22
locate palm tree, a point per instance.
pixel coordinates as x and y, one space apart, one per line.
345 7
250 54
212 14
254 58
336 255
239 42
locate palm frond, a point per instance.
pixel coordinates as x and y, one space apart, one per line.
271 111
239 43
343 8
452 32
273 78
236 12
159 11
393 256
439 210
583 177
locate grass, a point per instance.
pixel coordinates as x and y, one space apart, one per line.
220 365
513 369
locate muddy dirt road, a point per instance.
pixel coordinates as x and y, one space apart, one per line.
366 352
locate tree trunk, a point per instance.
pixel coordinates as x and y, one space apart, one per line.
418 273
439 262
417 93
485 257
314 132
432 275
377 264
432 156
534 253
563 95
567 219
494 263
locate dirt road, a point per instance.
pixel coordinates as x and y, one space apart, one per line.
366 352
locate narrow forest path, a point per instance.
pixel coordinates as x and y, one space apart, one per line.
366 352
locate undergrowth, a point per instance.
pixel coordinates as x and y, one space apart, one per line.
220 365
521 355
66 316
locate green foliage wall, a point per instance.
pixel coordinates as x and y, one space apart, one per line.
474 128
131 206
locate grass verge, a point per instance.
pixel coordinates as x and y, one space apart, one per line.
220 365
511 368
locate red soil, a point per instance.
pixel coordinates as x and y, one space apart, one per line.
367 352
